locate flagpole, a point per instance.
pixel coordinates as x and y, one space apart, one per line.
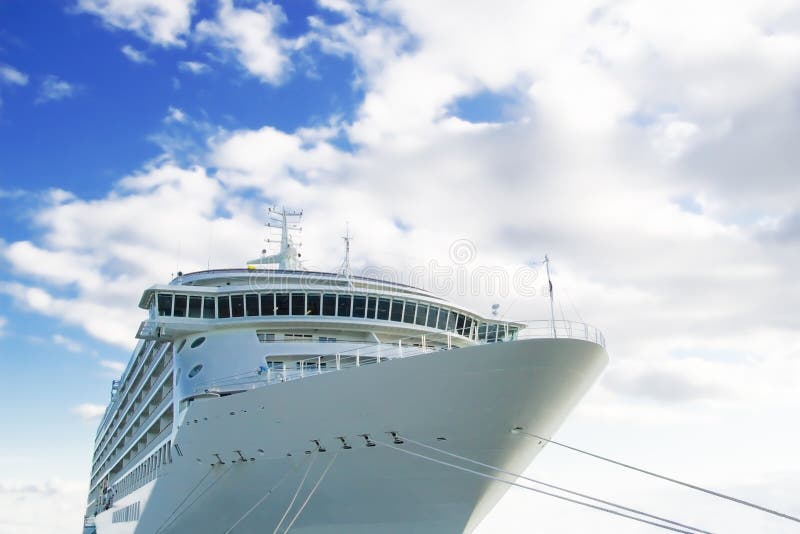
550 287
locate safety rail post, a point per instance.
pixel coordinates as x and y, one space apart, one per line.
424 348
378 356
358 358
338 361
319 365
449 341
400 346
302 368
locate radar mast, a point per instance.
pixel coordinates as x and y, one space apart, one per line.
282 228
345 269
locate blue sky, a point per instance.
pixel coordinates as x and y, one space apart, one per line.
646 146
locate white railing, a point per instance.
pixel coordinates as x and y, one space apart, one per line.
561 329
365 353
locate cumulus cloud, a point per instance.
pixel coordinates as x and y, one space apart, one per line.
106 266
89 412
112 365
12 76
69 344
250 36
195 67
652 168
54 88
175 115
21 503
137 56
162 22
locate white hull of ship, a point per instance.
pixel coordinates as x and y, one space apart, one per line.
472 396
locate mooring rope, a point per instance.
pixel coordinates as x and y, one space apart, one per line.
668 479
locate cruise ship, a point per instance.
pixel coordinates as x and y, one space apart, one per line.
272 398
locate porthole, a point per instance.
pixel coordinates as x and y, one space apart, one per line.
196 369
182 344
197 342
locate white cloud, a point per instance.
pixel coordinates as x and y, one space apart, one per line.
54 88
195 67
137 56
88 411
162 22
249 34
175 115
3 323
113 365
69 344
107 266
12 76
22 502
617 119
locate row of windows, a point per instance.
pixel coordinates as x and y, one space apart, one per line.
328 304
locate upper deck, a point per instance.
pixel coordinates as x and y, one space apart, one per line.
205 300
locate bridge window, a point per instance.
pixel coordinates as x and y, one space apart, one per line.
397 310
267 304
180 306
451 321
371 305
329 304
408 314
359 306
460 324
432 314
298 303
251 304
491 335
468 327
208 308
383 308
501 332
422 313
312 304
343 309
237 305
482 331
442 322
195 306
281 304
164 304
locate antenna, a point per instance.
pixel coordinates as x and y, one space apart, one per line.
282 227
550 288
345 268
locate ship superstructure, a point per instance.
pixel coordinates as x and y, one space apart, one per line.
242 378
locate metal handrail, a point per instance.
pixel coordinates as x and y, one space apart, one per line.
335 360
561 329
